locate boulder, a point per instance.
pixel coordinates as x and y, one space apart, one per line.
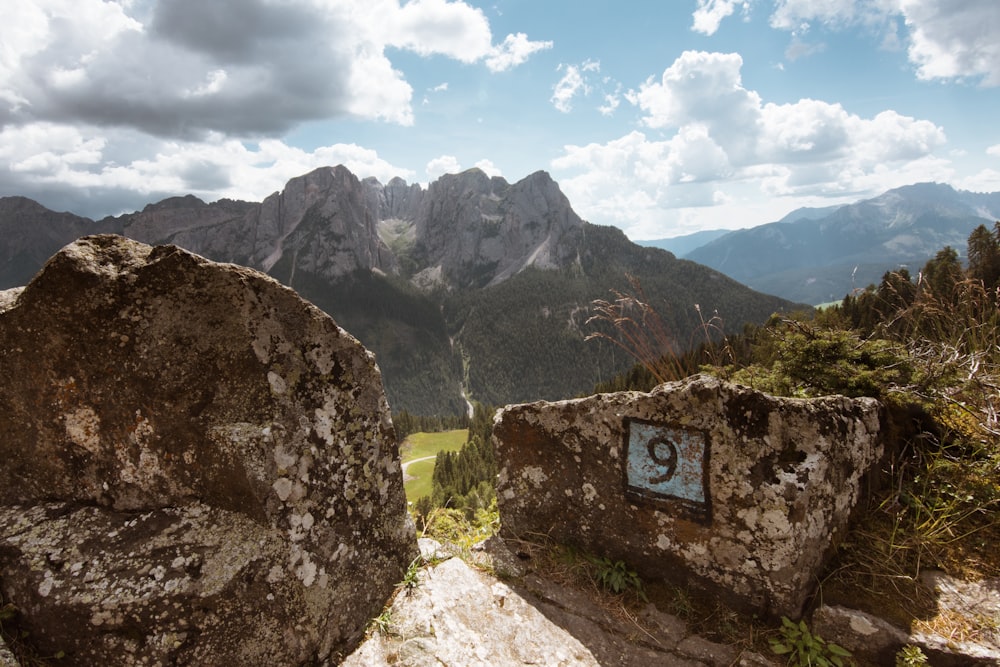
199 467
699 482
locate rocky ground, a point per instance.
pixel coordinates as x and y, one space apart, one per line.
494 607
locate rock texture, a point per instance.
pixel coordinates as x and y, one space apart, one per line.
457 615
320 225
465 230
472 230
698 481
966 629
199 466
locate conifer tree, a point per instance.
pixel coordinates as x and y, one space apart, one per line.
984 256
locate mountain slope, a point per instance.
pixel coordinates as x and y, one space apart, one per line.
819 255
31 233
473 286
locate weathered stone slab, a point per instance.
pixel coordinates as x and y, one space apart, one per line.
234 423
457 616
698 481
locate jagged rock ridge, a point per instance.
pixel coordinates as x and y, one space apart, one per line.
471 283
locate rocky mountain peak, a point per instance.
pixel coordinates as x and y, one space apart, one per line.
474 230
185 202
396 200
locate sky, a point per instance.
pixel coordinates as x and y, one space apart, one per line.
662 117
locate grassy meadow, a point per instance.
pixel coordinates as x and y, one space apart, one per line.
420 446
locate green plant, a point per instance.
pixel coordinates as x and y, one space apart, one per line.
412 577
805 649
911 656
381 623
616 577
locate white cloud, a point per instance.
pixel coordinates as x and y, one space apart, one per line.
994 150
716 135
569 86
710 14
489 168
987 180
946 39
445 164
792 14
954 39
611 103
246 68
515 50
574 82
436 27
94 172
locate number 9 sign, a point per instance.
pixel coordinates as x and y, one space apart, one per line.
664 461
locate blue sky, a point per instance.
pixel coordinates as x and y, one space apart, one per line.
661 117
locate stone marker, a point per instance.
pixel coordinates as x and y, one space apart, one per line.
198 467
699 481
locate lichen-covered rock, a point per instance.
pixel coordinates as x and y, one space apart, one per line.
198 466
699 481
864 635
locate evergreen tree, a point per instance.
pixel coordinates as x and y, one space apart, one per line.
942 274
984 256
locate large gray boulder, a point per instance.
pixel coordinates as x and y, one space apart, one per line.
699 482
199 467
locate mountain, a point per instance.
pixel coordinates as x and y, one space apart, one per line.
471 287
819 255
31 233
682 245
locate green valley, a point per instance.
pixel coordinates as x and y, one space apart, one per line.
418 452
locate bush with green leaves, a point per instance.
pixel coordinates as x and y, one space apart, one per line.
616 576
803 648
911 656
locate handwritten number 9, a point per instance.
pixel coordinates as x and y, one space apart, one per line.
664 453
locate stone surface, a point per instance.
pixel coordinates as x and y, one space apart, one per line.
864 635
457 615
966 628
191 454
698 481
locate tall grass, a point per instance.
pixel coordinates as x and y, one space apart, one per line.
632 324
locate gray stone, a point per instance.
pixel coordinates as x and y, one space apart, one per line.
457 616
192 454
970 612
862 634
494 555
698 481
709 652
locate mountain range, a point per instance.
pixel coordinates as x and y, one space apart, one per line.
817 255
472 287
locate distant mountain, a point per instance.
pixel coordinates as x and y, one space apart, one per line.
682 245
472 287
31 233
807 213
819 255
